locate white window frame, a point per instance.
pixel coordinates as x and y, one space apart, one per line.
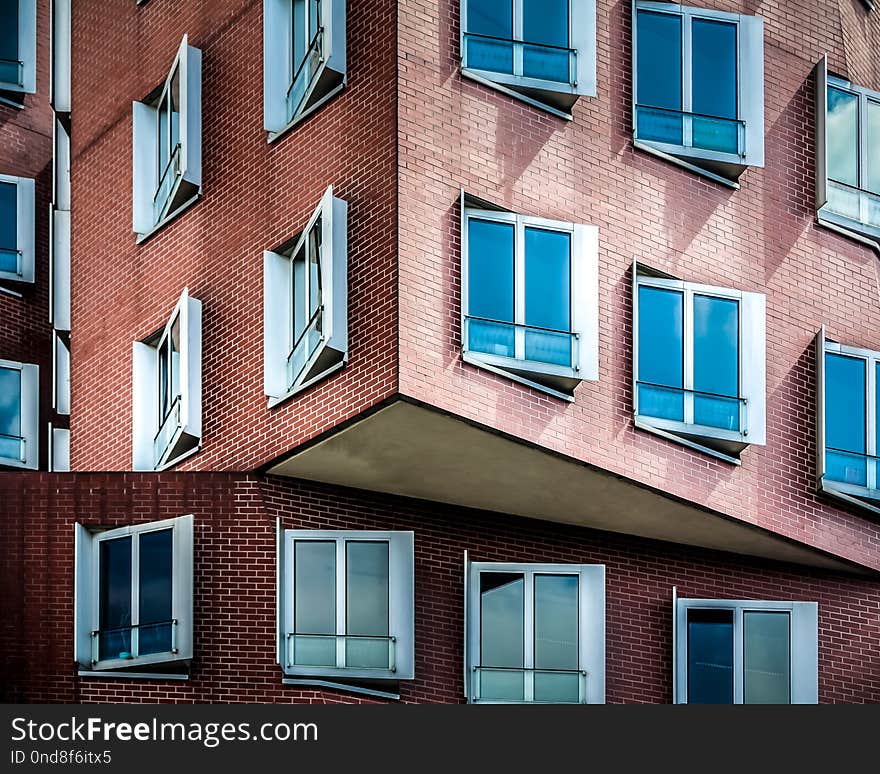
30 416
87 544
401 611
591 625
858 229
851 493
25 226
584 288
159 444
554 97
27 50
331 352
152 207
330 75
804 640
752 368
750 94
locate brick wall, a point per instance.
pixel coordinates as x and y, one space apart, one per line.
234 559
26 151
256 196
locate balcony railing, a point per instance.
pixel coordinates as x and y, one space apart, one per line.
305 345
13 447
342 651
12 71
10 260
862 471
519 341
854 203
167 429
690 130
167 180
305 74
134 640
521 58
525 685
719 400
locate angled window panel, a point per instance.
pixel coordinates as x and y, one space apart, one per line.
183 586
61 386
84 582
277 52
820 406
61 56
751 30
820 73
144 405
145 177
190 60
30 415
585 312
61 167
276 321
754 366
60 262
60 449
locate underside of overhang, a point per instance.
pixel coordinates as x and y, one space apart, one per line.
412 450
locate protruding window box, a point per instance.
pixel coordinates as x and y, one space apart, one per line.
305 304
847 157
133 603
19 415
543 53
18 48
167 145
304 59
167 390
699 365
16 229
698 88
61 56
529 297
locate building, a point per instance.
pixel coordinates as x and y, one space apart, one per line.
463 351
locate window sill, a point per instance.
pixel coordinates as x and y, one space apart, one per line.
180 458
300 117
141 238
11 292
685 165
17 464
852 494
273 401
114 675
474 76
305 682
840 226
478 362
9 101
641 424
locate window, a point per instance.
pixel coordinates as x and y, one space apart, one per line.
530 298
18 46
699 364
167 143
543 52
847 157
535 633
847 422
167 390
305 292
745 652
133 604
16 229
19 415
698 88
303 59
345 605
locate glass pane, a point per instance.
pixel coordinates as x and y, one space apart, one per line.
174 340
174 96
767 658
556 638
164 386
659 77
494 19
716 361
114 603
9 68
314 18
710 656
8 227
661 352
314 604
300 313
548 295
300 34
873 181
155 566
546 22
714 85
502 598
845 421
366 604
490 286
842 129
10 413
314 335
163 139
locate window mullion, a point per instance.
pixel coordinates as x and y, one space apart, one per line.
864 202
135 594
688 351
738 656
519 290
871 417
687 100
341 623
529 636
518 34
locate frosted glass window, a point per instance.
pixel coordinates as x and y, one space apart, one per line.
314 603
367 604
502 631
767 658
556 638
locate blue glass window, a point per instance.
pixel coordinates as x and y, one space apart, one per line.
714 85
8 227
661 353
659 77
845 419
114 606
716 362
548 295
491 287
709 656
154 592
502 631
545 22
843 136
490 35
9 62
10 413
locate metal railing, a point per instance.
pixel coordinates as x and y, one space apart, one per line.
8 257
854 203
527 59
10 442
684 391
133 631
531 691
305 345
690 130
532 343
339 656
162 197
305 73
167 428
868 460
18 65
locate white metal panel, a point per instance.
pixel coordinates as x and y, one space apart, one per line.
61 269
335 270
582 27
805 653
61 167
61 389
26 226
82 596
334 28
61 55
190 311
182 585
585 298
280 634
821 76
593 630
466 659
30 414
27 45
401 613
675 644
751 87
276 322
754 366
277 55
820 405
635 334
144 172
60 449
190 62
144 405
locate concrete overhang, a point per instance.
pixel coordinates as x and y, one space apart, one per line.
413 450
